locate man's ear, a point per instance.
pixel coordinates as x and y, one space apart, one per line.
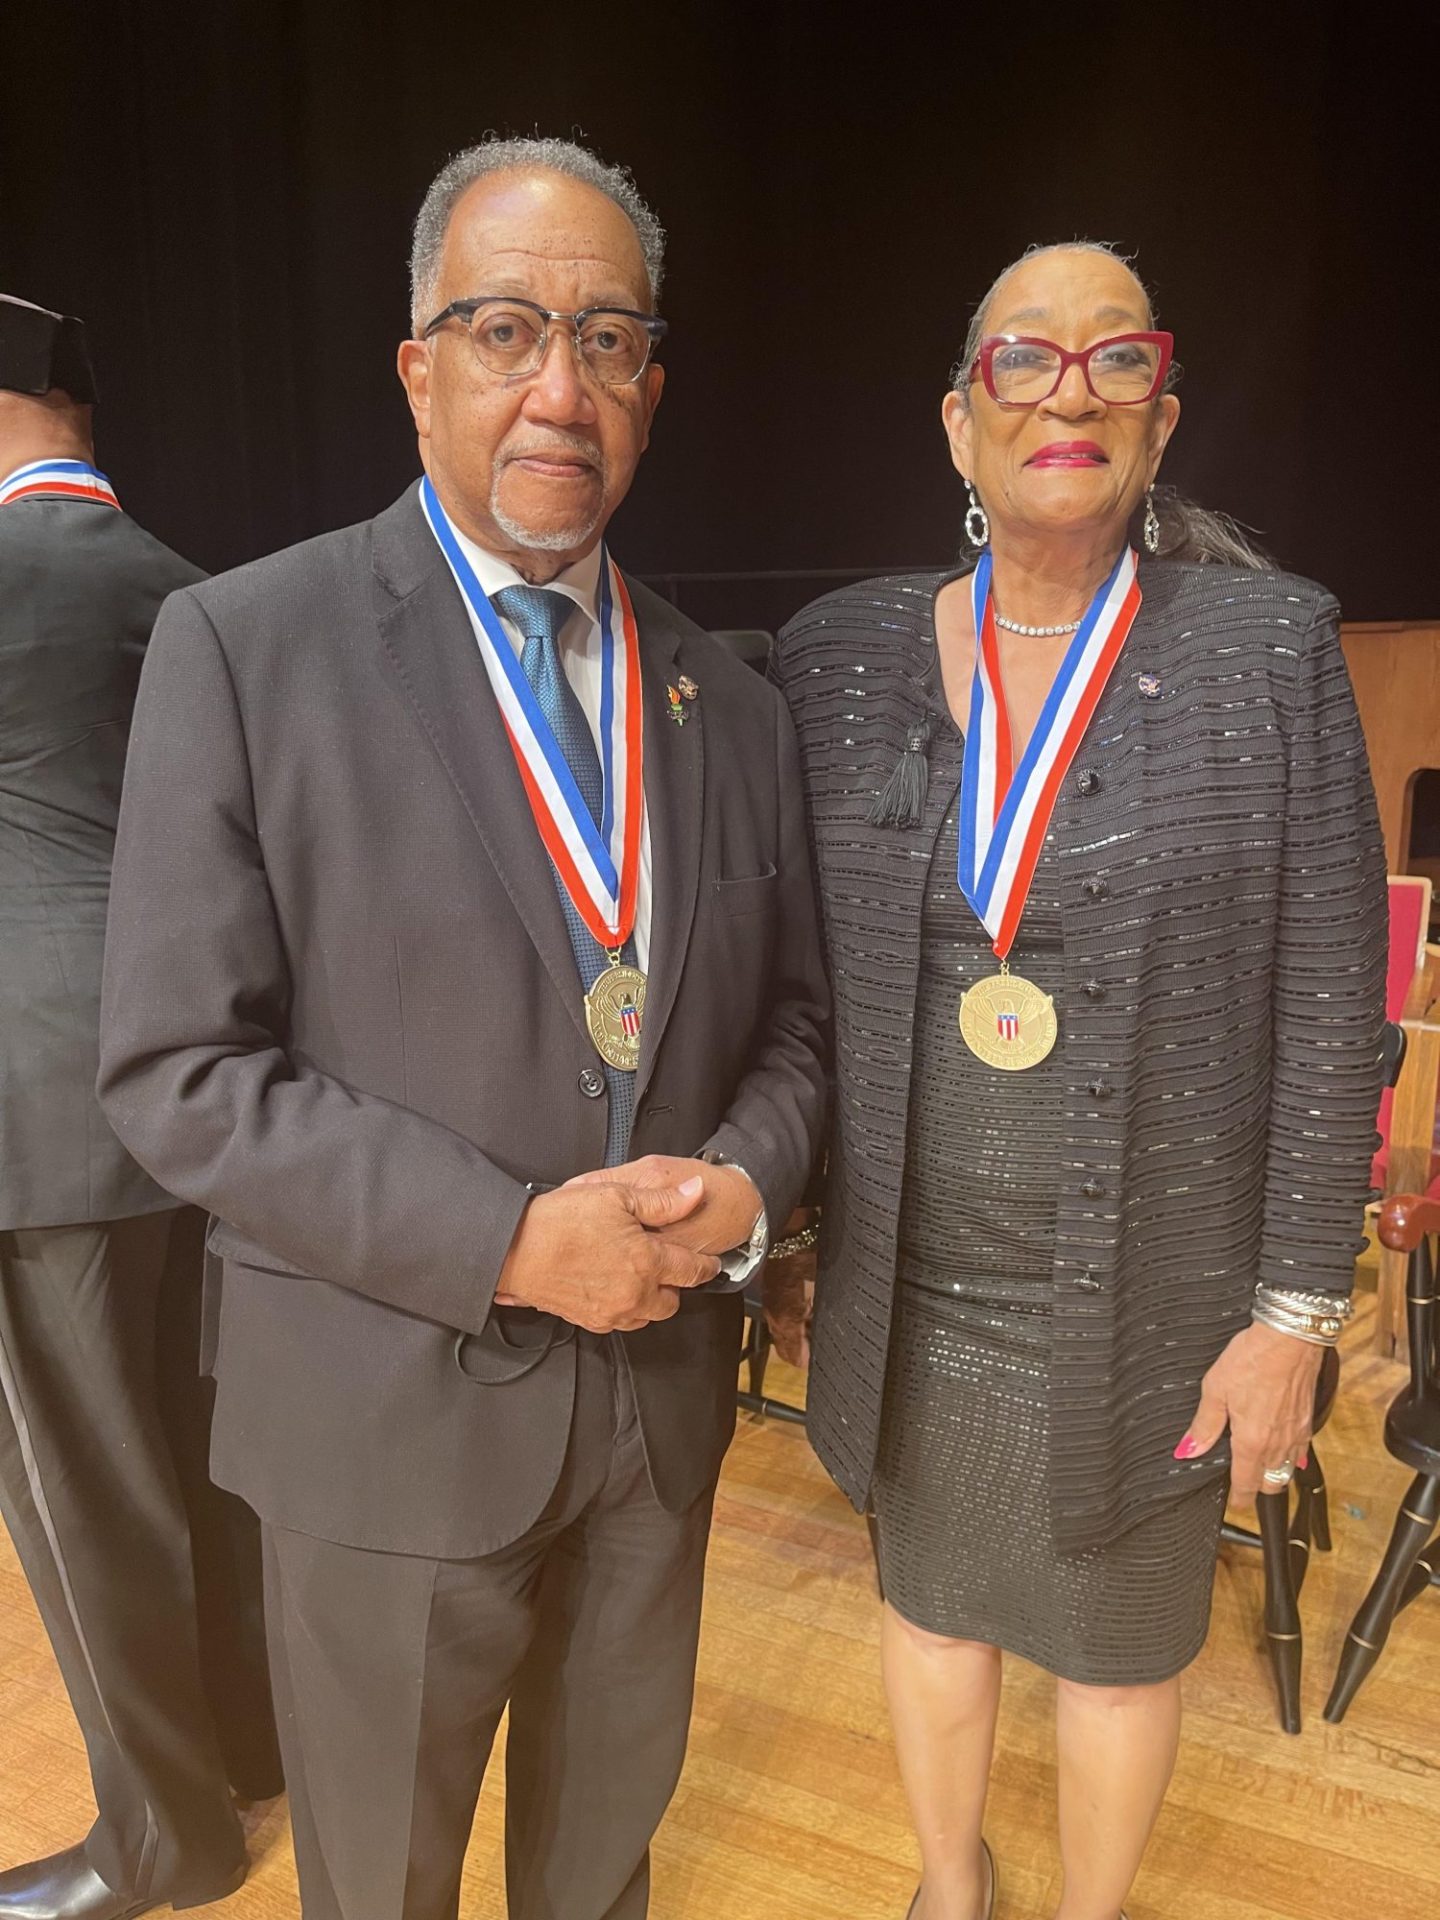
412 363
654 387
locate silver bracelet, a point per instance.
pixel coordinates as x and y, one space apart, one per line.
1299 1300
1318 1318
795 1243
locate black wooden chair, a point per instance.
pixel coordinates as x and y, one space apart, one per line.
755 1355
1286 1537
1408 1224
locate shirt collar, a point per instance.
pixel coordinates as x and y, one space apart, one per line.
579 582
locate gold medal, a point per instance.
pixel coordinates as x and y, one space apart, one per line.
614 1013
1007 1022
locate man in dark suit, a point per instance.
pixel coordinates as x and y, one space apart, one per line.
401 943
103 1420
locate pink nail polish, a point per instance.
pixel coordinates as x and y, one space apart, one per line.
1187 1448
1303 1461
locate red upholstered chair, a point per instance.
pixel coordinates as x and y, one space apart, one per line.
1409 1224
1407 1160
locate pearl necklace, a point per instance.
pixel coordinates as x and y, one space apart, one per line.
1036 633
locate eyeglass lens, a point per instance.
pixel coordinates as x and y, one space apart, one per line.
512 340
1120 371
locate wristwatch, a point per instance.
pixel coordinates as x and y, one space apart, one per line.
752 1251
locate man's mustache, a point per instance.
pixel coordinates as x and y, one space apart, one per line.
559 447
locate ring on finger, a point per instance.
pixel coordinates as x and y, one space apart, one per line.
1279 1476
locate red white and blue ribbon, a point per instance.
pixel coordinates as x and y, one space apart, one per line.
1005 809
600 868
57 480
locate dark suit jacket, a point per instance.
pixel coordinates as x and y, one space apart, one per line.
80 586
1224 925
342 1012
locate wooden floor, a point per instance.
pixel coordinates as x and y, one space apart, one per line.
790 1807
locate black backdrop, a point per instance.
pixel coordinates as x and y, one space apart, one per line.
224 191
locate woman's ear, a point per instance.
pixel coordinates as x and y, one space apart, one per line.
956 419
1164 423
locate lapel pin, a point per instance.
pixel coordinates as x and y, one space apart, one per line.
1150 686
679 712
688 688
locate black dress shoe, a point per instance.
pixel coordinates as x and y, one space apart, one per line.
67 1887
64 1887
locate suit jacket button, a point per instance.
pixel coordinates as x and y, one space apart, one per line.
1087 780
1096 889
1099 1089
1091 1188
1094 990
592 1082
1087 1283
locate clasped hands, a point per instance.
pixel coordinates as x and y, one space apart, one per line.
612 1250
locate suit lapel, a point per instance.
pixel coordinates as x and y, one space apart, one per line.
675 800
428 645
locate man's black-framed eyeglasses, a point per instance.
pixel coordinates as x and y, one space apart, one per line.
510 336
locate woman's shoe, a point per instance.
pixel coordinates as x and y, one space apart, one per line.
994 1887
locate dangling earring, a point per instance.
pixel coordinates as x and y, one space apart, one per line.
1152 523
977 521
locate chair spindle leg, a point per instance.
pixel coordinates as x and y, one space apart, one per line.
1319 1504
1422 1575
1370 1628
1302 1528
1282 1615
759 1354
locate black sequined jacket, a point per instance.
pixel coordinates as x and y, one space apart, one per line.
1225 937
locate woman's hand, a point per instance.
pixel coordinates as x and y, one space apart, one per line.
1263 1388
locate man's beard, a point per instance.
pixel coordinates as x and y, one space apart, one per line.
551 539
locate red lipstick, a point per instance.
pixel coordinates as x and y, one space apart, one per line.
1069 453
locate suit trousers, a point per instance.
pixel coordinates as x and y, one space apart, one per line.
145 1575
391 1673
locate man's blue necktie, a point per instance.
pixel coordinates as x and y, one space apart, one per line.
539 616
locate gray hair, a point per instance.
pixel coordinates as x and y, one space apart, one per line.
1188 532
959 373
497 155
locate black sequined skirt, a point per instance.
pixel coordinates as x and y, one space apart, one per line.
962 1516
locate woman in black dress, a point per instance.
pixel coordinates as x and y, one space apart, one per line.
1108 1015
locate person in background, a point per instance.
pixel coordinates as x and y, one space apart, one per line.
454 865
146 1577
1103 894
